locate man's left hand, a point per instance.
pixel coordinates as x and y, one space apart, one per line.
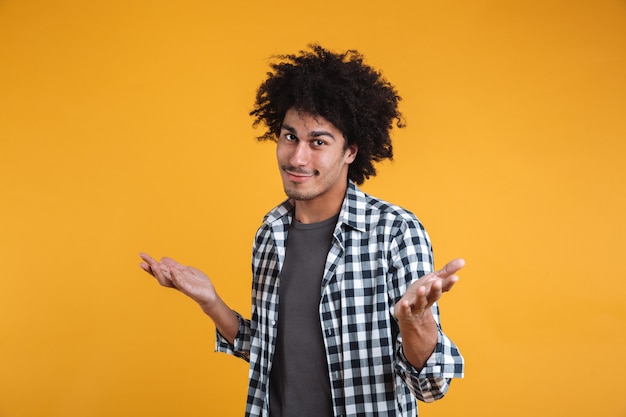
414 306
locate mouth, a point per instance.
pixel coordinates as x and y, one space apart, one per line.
298 175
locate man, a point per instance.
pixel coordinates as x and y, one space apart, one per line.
345 320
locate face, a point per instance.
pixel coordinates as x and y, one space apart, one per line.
313 158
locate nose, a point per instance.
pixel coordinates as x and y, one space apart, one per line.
300 155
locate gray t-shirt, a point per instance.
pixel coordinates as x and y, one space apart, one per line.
299 384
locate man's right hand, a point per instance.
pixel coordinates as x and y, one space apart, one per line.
186 279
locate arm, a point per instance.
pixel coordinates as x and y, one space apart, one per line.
427 358
418 328
197 286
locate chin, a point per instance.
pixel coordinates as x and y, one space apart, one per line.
298 195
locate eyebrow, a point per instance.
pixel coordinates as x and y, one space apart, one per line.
313 133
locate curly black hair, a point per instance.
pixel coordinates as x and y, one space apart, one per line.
342 89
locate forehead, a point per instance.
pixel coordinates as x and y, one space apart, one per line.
304 122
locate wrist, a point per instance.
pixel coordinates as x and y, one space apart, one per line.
419 339
419 328
208 304
417 320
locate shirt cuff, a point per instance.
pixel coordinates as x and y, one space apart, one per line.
240 346
445 361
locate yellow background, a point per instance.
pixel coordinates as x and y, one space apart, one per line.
124 127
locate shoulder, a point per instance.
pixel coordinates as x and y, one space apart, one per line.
277 219
389 210
279 213
366 211
390 228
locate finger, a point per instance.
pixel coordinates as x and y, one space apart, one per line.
417 301
165 272
177 279
147 258
165 279
451 268
434 293
161 273
449 282
170 262
445 283
148 263
404 311
146 267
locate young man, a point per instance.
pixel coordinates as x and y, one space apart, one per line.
345 319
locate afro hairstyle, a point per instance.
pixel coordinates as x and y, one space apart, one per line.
339 87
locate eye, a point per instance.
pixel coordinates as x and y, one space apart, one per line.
319 142
290 137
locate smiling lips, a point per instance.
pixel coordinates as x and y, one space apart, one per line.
298 175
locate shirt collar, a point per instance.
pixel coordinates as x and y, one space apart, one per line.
352 211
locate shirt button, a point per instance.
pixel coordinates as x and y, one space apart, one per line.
274 323
330 332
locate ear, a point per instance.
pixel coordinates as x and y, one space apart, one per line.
351 153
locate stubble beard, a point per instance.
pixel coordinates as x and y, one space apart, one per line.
298 195
292 191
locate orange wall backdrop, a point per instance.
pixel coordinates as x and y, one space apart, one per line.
124 127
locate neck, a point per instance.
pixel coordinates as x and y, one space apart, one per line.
317 210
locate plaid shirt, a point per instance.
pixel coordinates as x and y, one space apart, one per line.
377 251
